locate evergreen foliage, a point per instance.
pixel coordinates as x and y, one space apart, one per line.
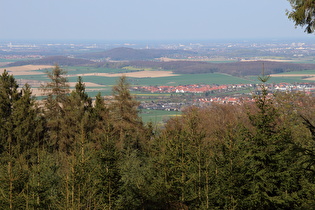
303 14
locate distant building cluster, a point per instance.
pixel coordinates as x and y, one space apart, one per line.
195 88
235 99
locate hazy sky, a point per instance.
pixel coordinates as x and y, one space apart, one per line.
146 19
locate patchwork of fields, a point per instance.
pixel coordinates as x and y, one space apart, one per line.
101 79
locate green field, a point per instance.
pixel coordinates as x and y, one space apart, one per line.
157 116
183 79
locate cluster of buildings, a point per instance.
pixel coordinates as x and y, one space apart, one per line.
303 87
225 100
162 105
195 88
205 99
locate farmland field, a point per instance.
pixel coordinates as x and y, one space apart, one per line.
102 79
157 116
290 77
108 77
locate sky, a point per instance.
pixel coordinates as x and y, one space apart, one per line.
146 20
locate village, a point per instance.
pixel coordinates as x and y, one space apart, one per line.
221 94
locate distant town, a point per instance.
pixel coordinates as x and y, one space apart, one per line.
210 92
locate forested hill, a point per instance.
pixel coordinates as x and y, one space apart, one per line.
125 53
52 60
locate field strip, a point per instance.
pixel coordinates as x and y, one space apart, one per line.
26 70
271 60
292 75
4 63
139 74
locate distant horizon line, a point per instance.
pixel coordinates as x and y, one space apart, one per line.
91 41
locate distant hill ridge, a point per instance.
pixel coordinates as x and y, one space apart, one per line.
127 54
200 67
52 60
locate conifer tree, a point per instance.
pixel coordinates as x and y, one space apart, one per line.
124 114
107 156
77 158
273 182
21 132
56 91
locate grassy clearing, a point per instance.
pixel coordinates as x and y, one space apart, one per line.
157 116
184 79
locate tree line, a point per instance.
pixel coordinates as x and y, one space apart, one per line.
71 152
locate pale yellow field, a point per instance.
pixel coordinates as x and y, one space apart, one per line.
25 70
310 76
292 75
139 74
